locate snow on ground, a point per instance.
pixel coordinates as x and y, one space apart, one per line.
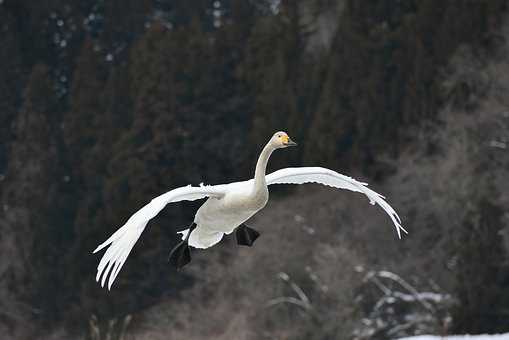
460 337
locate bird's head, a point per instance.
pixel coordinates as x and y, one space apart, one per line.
281 140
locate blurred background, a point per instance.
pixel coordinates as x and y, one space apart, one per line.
105 104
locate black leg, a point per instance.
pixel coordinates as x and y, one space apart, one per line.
245 235
181 254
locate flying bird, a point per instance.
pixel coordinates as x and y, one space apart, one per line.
226 209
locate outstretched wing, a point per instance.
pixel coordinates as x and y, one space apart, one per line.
331 178
122 241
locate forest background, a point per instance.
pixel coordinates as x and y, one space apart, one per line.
105 104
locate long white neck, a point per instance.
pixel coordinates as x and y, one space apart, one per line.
261 167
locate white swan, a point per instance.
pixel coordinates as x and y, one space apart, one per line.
228 206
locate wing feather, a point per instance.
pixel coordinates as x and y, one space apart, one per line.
333 179
123 240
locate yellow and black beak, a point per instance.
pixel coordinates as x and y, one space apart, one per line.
289 142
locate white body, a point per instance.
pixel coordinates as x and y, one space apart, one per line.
219 216
227 207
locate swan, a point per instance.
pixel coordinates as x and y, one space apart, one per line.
226 209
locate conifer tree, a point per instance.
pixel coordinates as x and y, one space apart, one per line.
33 223
12 75
273 77
384 70
481 270
80 123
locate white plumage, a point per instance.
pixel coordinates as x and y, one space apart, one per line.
227 207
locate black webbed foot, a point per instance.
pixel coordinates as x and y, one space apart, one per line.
245 235
181 254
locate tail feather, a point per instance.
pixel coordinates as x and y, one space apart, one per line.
202 239
183 233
